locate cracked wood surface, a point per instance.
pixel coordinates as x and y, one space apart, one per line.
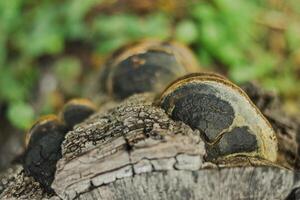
122 140
135 151
227 183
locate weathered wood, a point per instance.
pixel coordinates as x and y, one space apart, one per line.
118 157
8 176
135 151
130 133
22 186
250 182
228 183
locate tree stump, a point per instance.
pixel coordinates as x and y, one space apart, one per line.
135 151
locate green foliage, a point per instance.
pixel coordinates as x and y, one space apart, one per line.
224 35
225 30
28 31
260 68
230 35
293 36
10 88
21 115
115 31
15 87
186 32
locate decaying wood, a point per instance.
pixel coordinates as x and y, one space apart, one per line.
287 128
8 176
135 151
228 183
22 186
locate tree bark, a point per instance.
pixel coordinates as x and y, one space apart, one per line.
135 151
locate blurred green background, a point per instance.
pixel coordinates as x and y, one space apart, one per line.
48 48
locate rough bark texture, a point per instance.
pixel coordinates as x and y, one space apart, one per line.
7 177
135 151
22 186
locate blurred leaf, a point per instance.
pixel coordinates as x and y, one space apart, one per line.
230 55
263 66
10 14
293 35
156 25
2 48
204 57
110 45
68 71
226 30
67 68
43 34
75 11
286 83
211 34
204 11
186 32
117 30
9 19
223 33
20 115
10 88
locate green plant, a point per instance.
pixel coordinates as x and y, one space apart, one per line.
235 38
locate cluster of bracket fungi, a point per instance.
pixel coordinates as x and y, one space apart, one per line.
229 123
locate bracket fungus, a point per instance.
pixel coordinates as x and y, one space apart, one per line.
147 66
43 141
227 120
76 110
231 128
